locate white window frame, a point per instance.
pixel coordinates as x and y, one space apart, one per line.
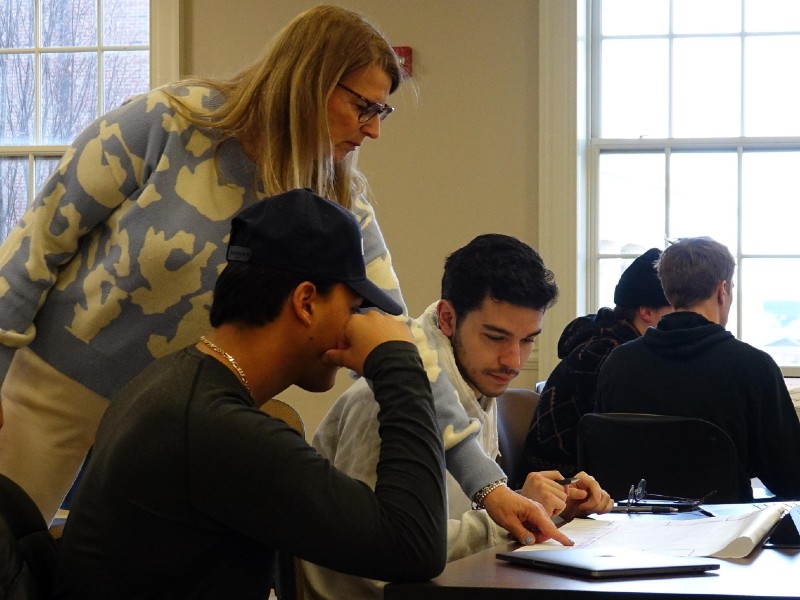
165 35
565 182
562 159
164 68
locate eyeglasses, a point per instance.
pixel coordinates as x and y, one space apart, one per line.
371 109
638 493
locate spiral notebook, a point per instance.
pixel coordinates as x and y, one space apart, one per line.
600 563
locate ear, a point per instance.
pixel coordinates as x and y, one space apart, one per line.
303 301
722 292
648 315
447 317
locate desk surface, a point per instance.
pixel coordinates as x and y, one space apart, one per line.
764 574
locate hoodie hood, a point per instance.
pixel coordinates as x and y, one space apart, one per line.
685 335
603 324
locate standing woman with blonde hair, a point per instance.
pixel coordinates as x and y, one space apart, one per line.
114 263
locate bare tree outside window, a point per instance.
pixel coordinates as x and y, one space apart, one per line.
63 63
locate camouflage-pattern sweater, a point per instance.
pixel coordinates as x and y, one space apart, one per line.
115 262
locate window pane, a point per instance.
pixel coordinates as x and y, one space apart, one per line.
770 313
69 23
635 89
126 22
125 74
770 203
772 15
622 17
772 91
44 167
704 196
13 192
707 80
16 91
630 210
16 24
706 16
69 95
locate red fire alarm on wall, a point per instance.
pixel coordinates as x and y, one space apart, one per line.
406 61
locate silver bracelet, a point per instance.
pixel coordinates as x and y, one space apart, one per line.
477 501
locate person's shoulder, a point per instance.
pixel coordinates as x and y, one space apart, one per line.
601 341
622 351
750 355
197 98
358 399
577 332
350 417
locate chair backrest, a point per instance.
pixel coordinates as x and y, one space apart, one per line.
515 408
28 553
288 575
678 456
281 410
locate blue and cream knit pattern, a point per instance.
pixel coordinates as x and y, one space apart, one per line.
115 262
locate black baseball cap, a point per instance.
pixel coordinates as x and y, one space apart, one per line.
304 233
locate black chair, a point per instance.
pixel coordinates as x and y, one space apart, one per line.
28 552
677 456
515 408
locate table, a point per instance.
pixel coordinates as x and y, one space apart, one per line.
766 573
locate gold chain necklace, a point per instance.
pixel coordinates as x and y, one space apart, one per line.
230 359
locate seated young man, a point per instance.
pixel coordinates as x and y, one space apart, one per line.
473 343
691 366
191 490
639 303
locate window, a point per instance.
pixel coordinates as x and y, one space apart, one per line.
62 64
694 130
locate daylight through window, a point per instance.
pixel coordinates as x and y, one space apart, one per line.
695 131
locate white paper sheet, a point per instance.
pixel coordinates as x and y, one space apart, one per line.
732 536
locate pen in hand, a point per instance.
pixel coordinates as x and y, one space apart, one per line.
567 480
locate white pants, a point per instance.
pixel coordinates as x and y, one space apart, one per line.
49 425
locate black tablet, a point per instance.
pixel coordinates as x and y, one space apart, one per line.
786 533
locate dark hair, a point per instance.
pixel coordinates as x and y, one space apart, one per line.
691 268
500 267
255 295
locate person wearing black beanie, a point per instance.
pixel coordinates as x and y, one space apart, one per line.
584 345
639 284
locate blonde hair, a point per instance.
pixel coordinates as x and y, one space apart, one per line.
280 103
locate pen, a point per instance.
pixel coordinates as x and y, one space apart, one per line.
568 480
644 509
